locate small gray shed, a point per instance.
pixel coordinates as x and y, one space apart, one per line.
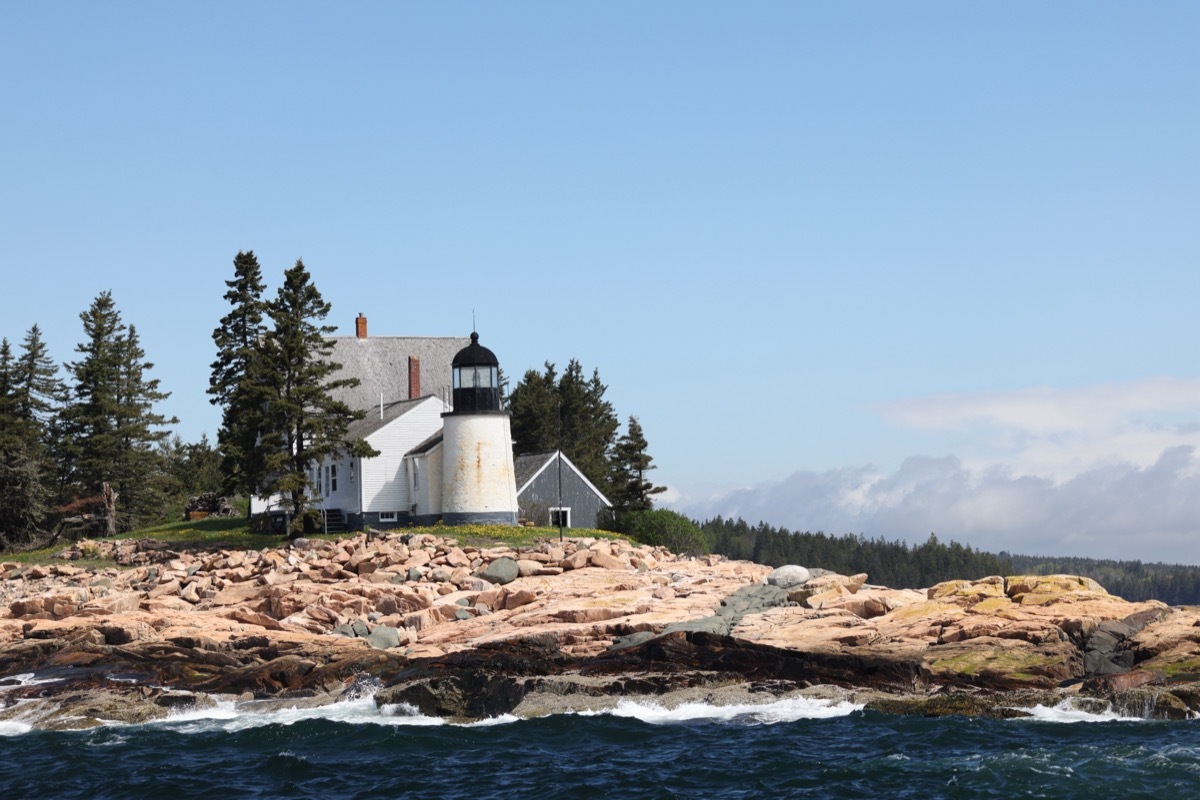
542 501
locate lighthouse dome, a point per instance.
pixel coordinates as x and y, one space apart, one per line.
476 379
475 355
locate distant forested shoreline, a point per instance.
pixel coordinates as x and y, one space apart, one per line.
899 564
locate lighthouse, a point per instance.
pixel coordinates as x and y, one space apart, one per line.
478 480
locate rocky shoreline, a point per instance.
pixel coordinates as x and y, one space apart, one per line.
466 633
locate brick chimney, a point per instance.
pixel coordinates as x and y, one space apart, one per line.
360 327
414 377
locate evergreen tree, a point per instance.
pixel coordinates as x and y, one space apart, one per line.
93 408
39 392
236 380
8 404
110 419
23 495
570 414
32 395
191 469
630 490
140 470
534 407
590 422
302 422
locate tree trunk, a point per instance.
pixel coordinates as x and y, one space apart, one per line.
110 510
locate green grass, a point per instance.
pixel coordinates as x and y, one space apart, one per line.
225 533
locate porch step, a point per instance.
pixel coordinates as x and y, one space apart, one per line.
335 521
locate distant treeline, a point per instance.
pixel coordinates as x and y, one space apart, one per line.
1174 584
901 565
890 563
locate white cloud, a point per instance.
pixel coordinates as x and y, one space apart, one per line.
1059 433
1048 411
1107 471
1118 511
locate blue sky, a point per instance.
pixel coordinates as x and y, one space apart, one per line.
888 268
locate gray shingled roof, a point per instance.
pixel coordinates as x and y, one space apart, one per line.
381 365
360 429
427 445
526 466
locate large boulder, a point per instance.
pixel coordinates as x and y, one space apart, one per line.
968 593
501 571
1042 590
789 576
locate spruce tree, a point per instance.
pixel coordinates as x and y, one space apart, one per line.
23 492
236 380
534 407
40 393
41 397
110 419
141 469
302 423
631 491
32 397
589 423
93 442
570 413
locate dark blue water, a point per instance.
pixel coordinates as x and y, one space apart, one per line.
364 755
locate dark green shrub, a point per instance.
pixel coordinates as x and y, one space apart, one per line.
664 528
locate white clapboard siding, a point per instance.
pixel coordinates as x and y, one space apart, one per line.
385 485
345 496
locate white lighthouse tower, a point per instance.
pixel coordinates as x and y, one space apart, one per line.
478 481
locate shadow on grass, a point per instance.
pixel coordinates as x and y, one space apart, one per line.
210 533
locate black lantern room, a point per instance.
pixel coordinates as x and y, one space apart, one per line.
476 379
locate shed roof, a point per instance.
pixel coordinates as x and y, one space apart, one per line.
529 466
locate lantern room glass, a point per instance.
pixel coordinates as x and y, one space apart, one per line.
476 377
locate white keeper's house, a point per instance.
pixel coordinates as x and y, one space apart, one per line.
433 412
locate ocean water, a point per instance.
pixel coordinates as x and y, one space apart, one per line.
790 748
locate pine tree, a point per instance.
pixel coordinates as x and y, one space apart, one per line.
23 493
236 380
535 412
32 395
93 444
40 393
110 420
8 403
302 422
631 491
191 469
589 423
570 414
140 470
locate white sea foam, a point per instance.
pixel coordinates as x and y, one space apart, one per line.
1067 712
14 728
785 710
230 716
24 679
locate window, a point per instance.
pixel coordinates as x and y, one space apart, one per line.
416 475
332 478
352 472
560 517
476 377
387 516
